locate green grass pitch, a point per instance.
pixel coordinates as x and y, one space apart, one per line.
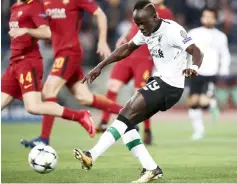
213 159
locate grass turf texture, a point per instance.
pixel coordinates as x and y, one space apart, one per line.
213 159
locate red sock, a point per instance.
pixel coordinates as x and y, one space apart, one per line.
71 114
103 103
147 124
47 122
112 96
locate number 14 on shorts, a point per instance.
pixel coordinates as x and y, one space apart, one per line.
153 86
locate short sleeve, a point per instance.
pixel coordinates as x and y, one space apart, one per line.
179 38
38 15
139 39
87 5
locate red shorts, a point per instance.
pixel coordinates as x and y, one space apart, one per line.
22 77
69 68
126 69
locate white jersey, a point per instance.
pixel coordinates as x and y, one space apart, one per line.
167 47
213 43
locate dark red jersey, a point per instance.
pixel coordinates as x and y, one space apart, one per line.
65 18
26 15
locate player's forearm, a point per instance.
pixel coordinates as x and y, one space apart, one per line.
197 55
118 54
39 33
102 25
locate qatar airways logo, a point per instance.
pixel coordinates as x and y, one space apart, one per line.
56 13
14 24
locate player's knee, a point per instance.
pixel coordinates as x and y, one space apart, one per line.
204 102
121 117
114 85
193 101
32 108
128 110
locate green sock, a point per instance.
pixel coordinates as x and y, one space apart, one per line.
108 138
134 144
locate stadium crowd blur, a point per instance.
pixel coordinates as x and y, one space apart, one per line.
119 14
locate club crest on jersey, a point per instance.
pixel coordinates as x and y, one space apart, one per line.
47 3
19 13
159 38
56 13
183 34
156 52
65 2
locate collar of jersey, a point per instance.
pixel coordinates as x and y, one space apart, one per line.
158 30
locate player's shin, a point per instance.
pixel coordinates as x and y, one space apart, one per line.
108 138
47 122
134 144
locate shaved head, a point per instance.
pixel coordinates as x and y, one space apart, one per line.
145 16
145 5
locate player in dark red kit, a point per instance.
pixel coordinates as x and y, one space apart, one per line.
138 66
65 18
22 79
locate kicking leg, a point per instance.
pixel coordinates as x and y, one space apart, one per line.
134 112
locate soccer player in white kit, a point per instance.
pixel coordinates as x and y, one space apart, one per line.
169 45
213 43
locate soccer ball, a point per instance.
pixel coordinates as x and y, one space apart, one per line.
43 158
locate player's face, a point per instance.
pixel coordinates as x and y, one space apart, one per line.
208 19
145 21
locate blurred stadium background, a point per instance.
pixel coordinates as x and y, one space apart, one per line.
187 13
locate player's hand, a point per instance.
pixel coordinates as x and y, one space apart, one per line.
92 75
103 49
190 72
121 41
16 32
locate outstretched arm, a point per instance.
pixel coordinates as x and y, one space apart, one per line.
118 54
197 60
